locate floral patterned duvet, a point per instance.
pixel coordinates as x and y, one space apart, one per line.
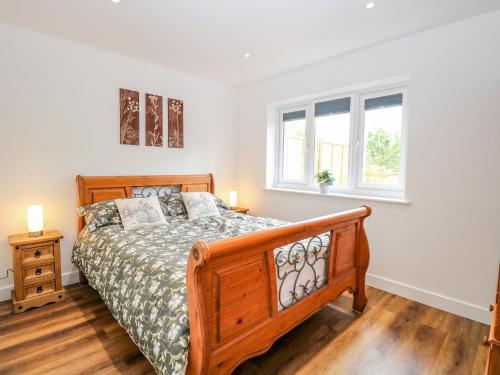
141 276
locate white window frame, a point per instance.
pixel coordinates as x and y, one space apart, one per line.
350 167
356 140
361 139
281 145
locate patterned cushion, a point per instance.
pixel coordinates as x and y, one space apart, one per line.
140 212
172 205
199 205
220 203
100 214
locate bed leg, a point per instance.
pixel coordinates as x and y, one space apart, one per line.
360 300
83 279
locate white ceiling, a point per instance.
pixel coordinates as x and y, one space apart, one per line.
208 37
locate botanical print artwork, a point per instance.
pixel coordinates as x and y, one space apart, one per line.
175 123
129 117
154 120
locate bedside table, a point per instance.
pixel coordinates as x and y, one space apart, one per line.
37 270
240 210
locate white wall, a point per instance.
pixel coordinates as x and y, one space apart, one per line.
444 248
59 117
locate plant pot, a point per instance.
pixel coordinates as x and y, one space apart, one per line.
324 188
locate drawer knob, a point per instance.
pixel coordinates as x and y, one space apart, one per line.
39 289
38 271
38 254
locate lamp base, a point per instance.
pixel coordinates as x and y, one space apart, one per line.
35 234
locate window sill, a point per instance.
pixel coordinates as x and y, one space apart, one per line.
343 196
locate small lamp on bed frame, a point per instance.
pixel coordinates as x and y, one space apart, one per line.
35 220
233 199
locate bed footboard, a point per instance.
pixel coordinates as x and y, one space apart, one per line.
233 302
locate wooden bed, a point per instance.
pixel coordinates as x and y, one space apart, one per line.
232 288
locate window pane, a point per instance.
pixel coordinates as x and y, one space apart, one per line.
294 140
382 140
332 138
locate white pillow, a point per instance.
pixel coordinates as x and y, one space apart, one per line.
200 205
140 212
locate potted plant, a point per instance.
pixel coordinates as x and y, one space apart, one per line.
325 180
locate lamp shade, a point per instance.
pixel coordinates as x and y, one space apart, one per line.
35 220
233 198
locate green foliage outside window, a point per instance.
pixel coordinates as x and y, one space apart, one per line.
382 155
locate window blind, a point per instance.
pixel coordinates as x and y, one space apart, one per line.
295 115
384 101
332 107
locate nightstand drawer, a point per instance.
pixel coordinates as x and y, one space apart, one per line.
39 289
41 253
32 273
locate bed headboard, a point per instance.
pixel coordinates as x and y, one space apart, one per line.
101 188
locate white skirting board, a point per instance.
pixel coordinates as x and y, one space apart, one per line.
452 305
68 278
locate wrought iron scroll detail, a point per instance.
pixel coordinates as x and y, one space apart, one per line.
155 191
298 265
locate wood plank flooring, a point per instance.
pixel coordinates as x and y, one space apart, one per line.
394 336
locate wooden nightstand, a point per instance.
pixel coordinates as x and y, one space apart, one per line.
37 270
240 210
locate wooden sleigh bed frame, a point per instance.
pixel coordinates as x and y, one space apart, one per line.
231 283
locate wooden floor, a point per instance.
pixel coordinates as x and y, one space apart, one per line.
394 336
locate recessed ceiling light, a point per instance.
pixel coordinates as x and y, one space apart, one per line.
246 55
116 1
370 5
